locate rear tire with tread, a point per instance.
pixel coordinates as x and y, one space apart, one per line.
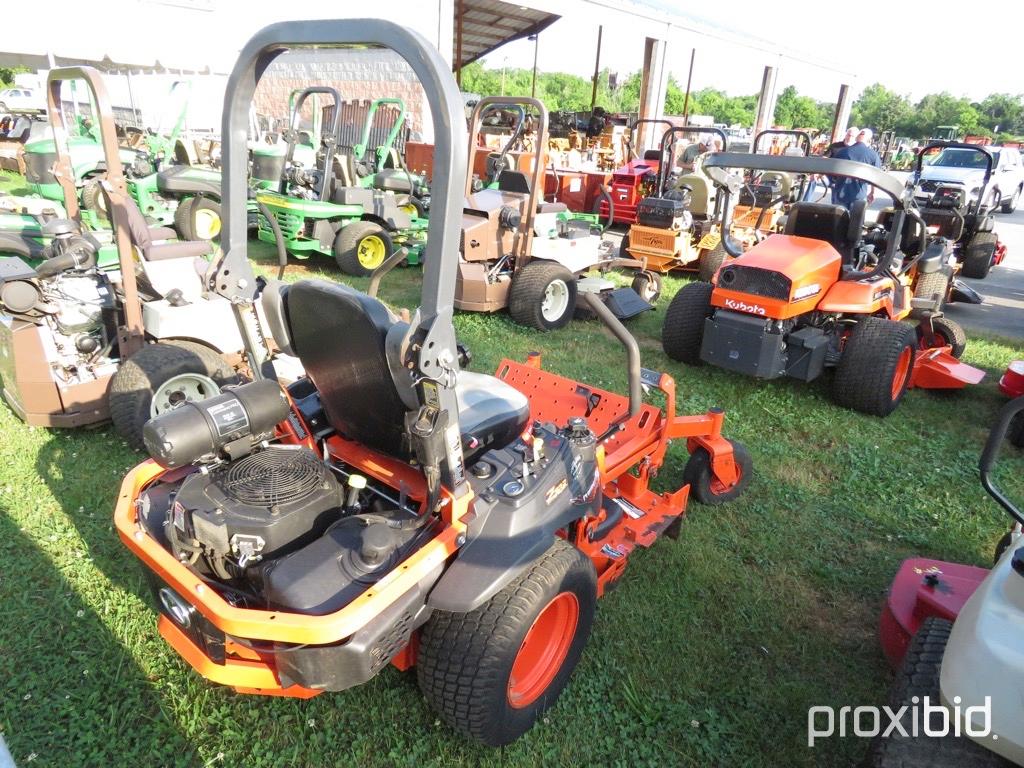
528 290
212 209
683 330
928 285
709 262
183 219
92 199
919 677
978 255
465 660
138 377
870 365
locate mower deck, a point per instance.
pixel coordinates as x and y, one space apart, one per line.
937 369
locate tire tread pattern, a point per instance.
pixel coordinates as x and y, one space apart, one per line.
464 658
137 377
683 329
864 377
527 293
919 676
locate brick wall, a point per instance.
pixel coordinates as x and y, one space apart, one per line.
355 74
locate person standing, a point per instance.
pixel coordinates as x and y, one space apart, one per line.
848 140
846 191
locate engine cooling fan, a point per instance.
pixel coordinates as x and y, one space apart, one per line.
273 477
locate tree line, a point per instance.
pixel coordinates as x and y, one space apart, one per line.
1000 115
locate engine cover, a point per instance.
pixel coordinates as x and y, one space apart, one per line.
270 503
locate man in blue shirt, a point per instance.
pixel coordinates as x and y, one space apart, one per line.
846 191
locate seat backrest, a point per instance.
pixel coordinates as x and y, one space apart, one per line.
340 336
820 221
910 239
514 181
652 154
138 227
947 222
700 193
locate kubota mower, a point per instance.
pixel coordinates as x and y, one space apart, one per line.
958 208
956 634
827 293
317 213
80 342
391 507
532 257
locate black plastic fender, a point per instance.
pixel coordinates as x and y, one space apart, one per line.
511 532
935 257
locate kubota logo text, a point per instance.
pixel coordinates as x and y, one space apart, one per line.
742 306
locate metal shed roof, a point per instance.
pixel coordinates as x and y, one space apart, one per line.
481 26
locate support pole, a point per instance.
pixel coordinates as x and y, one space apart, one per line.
597 69
689 81
842 114
459 9
536 46
766 101
653 86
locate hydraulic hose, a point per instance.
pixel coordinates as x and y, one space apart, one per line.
605 195
282 252
77 256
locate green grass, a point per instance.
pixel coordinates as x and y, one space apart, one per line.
13 184
708 653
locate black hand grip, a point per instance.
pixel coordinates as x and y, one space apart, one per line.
991 453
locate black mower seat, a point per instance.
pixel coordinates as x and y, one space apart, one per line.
910 242
950 222
832 223
393 180
350 346
177 179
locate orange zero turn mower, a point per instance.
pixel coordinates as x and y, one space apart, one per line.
392 508
828 293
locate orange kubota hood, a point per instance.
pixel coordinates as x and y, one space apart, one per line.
780 277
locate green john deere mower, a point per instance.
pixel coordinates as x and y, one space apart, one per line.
318 212
383 166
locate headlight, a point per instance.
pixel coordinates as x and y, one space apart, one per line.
975 191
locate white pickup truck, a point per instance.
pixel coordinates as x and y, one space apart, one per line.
966 167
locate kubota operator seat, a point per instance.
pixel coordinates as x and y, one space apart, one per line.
832 223
350 346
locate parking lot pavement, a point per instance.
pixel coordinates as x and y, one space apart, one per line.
1002 312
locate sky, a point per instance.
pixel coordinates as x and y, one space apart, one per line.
912 48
